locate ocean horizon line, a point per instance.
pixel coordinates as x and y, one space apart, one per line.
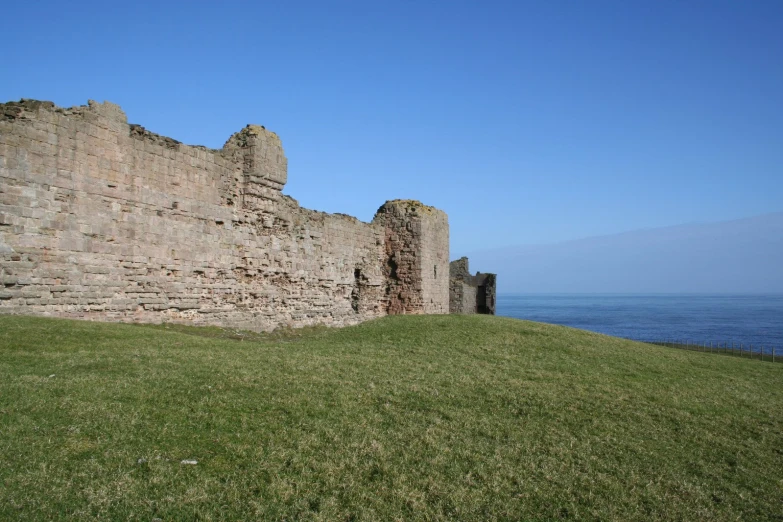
642 294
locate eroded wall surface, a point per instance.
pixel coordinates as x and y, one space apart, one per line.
105 220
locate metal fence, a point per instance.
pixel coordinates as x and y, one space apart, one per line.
747 351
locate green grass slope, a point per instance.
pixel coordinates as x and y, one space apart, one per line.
407 417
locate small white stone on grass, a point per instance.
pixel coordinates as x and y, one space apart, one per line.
52 375
192 462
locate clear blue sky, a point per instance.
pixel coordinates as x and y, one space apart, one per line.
528 122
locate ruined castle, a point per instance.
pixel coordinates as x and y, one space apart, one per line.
104 220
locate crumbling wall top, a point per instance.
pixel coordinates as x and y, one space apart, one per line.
24 107
408 206
261 154
459 269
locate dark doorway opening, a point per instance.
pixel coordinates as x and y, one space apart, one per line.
481 300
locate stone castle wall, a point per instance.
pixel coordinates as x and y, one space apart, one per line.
471 294
104 220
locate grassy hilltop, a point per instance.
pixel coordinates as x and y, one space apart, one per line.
407 417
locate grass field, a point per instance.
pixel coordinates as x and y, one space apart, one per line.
403 418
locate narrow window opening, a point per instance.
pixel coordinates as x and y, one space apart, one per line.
355 293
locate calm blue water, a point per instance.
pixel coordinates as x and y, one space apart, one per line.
747 319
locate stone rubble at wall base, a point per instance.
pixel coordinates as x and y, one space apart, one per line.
104 220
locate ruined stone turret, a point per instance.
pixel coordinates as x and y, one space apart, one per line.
416 245
263 162
470 294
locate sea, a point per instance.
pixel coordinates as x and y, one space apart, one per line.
755 320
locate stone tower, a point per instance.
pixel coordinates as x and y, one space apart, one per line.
416 244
